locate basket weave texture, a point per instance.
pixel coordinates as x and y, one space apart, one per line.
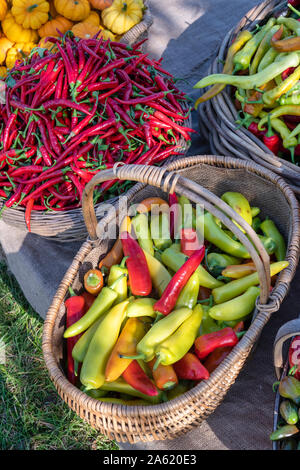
203 179
69 226
218 116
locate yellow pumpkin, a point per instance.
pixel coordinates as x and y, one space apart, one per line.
93 18
30 13
59 23
122 16
17 52
15 32
5 45
74 10
101 4
3 9
3 72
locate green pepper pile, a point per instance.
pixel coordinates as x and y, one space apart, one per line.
263 67
168 303
287 433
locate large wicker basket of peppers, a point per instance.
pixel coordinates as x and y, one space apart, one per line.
72 111
154 320
257 116
286 430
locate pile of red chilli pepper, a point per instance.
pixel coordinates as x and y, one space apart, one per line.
80 108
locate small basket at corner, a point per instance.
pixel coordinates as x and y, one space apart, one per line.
218 115
198 178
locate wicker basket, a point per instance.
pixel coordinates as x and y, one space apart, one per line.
287 331
216 175
218 116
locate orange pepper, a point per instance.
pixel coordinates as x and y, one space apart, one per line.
164 377
239 270
134 330
146 204
115 255
93 281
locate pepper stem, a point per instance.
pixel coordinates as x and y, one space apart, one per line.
122 265
270 132
157 362
138 356
114 284
275 384
72 293
292 150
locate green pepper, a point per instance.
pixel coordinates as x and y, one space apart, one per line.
160 331
289 412
250 82
187 213
290 100
267 59
160 230
142 231
115 273
240 205
80 349
269 244
180 342
216 262
243 58
256 222
160 276
269 228
236 308
141 308
189 294
239 286
263 47
283 432
120 386
125 402
178 390
293 110
290 23
215 235
254 212
289 387
102 304
208 324
279 126
174 260
92 373
270 97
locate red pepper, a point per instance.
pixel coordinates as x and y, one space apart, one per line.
294 356
28 211
253 128
171 293
219 354
206 344
190 368
287 72
138 272
164 376
189 241
271 140
75 306
137 378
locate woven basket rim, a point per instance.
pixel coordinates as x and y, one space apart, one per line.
243 347
221 129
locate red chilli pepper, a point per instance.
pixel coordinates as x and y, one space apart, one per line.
28 211
206 344
189 241
75 306
138 272
190 368
137 378
170 295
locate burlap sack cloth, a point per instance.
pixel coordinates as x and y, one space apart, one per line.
186 33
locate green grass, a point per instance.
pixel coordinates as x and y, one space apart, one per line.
32 415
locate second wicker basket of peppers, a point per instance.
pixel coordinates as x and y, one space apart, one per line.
171 300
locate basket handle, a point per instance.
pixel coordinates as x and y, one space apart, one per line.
288 330
169 181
